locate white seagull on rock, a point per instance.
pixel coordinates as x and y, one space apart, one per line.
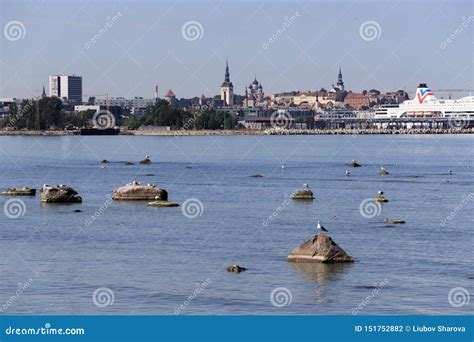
321 228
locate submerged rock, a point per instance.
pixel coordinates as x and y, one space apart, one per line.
128 163
136 192
319 248
104 161
59 194
19 192
354 164
78 211
236 269
303 194
394 221
163 204
256 176
380 197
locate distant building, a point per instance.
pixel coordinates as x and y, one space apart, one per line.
254 94
340 83
66 87
357 100
135 106
171 97
227 88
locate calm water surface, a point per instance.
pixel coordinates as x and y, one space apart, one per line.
154 259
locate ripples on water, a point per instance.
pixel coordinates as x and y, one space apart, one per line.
153 259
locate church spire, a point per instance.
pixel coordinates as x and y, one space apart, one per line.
227 74
340 82
43 94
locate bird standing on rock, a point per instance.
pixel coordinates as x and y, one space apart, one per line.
321 228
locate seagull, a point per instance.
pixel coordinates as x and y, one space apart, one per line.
321 228
147 157
348 173
305 186
380 192
282 167
450 172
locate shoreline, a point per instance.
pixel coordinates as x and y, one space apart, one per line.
227 132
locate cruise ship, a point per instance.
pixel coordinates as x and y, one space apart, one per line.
426 105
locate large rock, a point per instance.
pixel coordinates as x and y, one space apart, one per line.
319 248
19 192
59 194
136 192
303 194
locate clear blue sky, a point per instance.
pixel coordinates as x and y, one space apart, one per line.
145 45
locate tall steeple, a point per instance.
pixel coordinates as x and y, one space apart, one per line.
227 88
43 94
227 74
340 83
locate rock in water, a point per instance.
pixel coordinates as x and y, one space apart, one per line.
381 199
59 194
104 161
146 161
19 192
303 194
354 164
235 268
136 192
163 204
256 176
394 221
319 248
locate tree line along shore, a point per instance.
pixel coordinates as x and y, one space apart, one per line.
47 117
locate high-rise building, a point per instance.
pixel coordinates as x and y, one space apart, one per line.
68 87
227 88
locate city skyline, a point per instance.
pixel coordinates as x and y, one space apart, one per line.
119 49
